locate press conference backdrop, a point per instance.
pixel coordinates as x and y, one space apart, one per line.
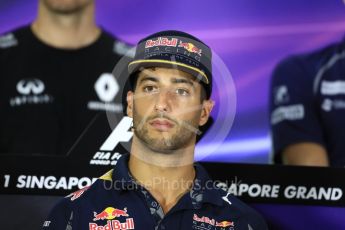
287 197
250 38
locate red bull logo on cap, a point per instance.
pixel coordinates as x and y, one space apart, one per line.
161 41
190 47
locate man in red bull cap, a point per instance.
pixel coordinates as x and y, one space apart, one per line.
157 185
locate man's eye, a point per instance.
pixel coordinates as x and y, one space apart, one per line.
182 92
150 89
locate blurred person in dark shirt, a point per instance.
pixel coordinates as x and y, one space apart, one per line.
55 75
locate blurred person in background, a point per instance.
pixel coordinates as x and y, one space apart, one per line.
55 75
307 105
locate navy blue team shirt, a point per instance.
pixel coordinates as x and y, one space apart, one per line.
116 201
307 102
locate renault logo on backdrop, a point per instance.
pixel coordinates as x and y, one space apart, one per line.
31 92
106 88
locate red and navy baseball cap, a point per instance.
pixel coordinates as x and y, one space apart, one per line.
175 49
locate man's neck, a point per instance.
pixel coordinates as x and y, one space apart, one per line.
166 176
70 31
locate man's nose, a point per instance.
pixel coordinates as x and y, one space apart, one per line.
163 101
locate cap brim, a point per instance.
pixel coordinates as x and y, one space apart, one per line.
137 64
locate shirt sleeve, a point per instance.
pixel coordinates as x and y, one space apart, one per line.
294 117
60 217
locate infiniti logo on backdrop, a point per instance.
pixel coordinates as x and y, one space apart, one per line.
34 86
31 92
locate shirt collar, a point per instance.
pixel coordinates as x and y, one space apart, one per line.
204 189
121 175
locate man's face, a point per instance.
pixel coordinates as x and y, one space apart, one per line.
66 6
166 109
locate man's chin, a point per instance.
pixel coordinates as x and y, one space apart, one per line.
67 7
162 146
165 143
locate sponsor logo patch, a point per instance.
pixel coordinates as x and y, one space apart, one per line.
46 223
112 215
113 225
291 112
328 105
190 47
210 223
332 87
123 49
161 41
281 95
164 44
77 194
106 88
106 154
8 40
31 91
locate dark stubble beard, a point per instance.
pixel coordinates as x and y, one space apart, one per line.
165 144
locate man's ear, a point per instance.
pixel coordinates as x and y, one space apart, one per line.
207 106
130 96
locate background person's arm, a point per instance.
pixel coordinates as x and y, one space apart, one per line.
307 153
296 128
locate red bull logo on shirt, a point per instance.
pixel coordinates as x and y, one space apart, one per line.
110 214
204 219
113 225
205 222
190 47
225 224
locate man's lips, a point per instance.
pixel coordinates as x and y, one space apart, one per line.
161 124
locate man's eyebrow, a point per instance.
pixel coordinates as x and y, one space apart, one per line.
182 80
148 78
